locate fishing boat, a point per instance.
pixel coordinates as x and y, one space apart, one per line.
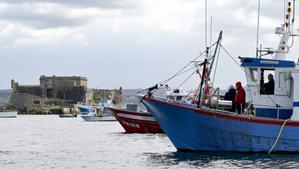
85 109
99 112
134 121
8 114
270 122
102 113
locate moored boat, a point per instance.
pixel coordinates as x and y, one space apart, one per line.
8 114
270 123
194 129
136 122
85 109
100 114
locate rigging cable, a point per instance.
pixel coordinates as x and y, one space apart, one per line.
187 70
185 80
182 69
202 53
181 73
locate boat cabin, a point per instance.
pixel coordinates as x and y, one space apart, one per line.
272 86
176 94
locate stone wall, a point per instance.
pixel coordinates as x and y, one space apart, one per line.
72 94
34 90
26 103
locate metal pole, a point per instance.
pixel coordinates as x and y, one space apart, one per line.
215 52
258 28
294 8
211 36
202 83
206 28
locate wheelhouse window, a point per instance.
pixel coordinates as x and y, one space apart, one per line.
267 86
283 77
253 74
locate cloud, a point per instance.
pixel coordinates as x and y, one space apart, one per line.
163 34
18 36
49 15
38 23
107 4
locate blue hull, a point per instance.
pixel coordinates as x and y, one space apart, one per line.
193 129
84 109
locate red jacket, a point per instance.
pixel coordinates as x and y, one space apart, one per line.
240 94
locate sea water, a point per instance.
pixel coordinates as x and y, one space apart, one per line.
30 142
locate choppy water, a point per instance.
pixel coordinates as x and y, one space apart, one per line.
30 142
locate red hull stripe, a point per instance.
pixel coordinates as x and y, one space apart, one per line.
146 114
135 117
135 122
235 117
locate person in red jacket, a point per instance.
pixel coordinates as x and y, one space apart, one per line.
240 98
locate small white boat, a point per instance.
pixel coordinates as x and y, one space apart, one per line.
101 114
85 109
8 114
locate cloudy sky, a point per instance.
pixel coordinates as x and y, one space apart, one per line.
129 43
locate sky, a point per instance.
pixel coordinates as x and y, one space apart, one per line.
128 43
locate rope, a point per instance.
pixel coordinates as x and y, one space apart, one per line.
278 136
194 67
182 70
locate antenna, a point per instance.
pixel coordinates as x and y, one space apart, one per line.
211 36
286 31
258 28
206 28
294 13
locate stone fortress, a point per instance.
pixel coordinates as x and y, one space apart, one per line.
63 91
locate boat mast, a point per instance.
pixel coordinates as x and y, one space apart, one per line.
199 102
205 64
206 28
200 95
215 52
211 30
258 28
206 72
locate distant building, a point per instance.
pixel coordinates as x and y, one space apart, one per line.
68 89
72 88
